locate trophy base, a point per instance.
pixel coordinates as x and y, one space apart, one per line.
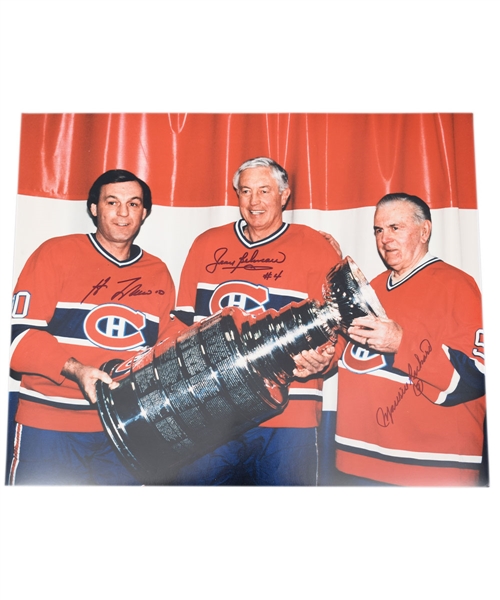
173 406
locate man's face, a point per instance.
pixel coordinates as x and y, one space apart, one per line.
261 203
401 240
119 212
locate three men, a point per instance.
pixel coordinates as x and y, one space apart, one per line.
261 263
81 300
411 387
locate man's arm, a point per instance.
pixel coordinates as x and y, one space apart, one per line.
445 370
170 325
319 360
186 295
86 377
33 348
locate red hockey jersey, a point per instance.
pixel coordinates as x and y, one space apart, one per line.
416 417
74 299
223 268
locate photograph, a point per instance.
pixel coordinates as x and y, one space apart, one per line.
197 355
208 207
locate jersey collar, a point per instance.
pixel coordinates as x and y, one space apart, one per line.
428 259
135 253
240 225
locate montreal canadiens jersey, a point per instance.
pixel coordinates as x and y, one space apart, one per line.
74 299
416 417
223 268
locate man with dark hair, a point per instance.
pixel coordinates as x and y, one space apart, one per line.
261 263
81 300
117 176
411 403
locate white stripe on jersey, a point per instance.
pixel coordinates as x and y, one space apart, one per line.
455 380
30 322
58 399
398 453
89 344
188 309
305 392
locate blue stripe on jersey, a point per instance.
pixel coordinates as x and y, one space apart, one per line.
19 329
184 316
69 323
472 383
275 301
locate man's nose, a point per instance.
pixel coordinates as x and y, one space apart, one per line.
122 209
386 237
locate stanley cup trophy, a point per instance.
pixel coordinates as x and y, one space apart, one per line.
182 398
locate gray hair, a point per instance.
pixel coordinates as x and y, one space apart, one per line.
277 171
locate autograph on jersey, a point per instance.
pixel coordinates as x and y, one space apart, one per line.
248 261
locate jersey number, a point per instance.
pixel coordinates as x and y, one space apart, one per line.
20 304
479 342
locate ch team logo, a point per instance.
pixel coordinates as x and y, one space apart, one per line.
250 298
115 327
361 360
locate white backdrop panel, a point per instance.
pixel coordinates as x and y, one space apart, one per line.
169 232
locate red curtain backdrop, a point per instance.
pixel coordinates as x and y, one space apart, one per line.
335 161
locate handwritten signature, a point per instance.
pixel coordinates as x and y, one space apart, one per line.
132 288
247 261
385 416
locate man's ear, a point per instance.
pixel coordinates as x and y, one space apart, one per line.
93 209
285 194
426 231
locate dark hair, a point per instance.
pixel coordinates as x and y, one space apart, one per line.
117 176
421 209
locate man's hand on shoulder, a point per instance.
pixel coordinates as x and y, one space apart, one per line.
87 377
332 241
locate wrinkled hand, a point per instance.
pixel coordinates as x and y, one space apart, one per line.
310 362
382 335
331 240
86 377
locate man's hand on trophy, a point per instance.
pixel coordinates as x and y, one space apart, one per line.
380 334
86 377
311 362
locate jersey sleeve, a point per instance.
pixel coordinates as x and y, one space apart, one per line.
170 324
34 349
444 355
186 297
324 257
321 258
